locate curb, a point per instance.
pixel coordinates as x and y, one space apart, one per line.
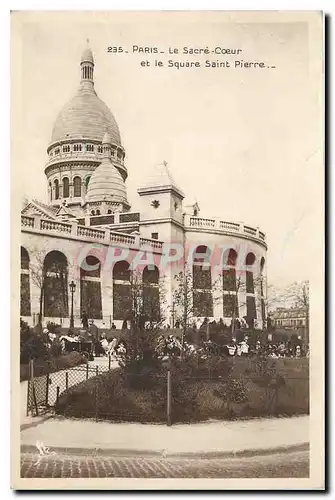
164 454
39 420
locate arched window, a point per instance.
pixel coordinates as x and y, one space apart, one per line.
122 293
56 184
121 271
230 284
66 188
151 300
24 259
77 187
93 212
55 285
90 287
50 188
98 212
202 282
25 309
109 211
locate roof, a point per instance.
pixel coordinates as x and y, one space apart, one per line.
36 206
160 178
85 116
106 183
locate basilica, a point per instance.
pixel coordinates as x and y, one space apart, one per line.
78 250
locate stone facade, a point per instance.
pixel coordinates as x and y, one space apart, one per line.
87 234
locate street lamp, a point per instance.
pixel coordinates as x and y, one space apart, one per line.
72 290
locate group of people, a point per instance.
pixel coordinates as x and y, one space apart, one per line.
205 338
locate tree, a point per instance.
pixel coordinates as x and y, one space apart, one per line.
145 302
187 302
183 300
298 294
38 276
233 287
41 272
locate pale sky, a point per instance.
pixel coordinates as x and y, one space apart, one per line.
246 143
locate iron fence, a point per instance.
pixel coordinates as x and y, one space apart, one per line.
98 392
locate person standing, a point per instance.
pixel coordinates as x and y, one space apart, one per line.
84 320
94 331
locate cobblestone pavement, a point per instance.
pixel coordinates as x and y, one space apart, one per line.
295 464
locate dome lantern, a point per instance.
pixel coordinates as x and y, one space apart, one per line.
87 65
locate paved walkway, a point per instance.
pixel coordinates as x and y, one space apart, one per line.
215 438
295 464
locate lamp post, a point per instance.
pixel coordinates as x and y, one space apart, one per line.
72 290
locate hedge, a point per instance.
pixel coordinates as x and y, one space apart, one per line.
276 387
44 366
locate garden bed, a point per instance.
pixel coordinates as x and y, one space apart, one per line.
244 391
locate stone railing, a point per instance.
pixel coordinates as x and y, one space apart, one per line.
151 242
27 221
237 228
230 226
107 236
51 225
121 238
201 222
250 230
88 232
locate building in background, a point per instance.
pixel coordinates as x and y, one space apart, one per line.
290 318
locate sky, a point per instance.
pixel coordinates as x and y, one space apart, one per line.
246 143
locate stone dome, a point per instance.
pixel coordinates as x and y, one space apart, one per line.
106 184
85 116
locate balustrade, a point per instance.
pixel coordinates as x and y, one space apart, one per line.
51 225
151 242
27 221
125 239
88 232
234 227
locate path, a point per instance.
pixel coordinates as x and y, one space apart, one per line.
290 465
76 375
208 437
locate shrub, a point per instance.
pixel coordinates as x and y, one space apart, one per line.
53 327
238 388
51 365
32 344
